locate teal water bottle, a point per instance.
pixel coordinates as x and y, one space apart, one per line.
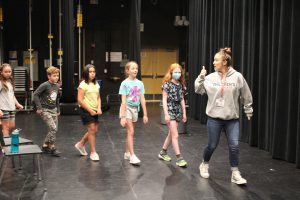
14 147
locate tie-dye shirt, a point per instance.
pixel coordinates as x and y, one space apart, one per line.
133 89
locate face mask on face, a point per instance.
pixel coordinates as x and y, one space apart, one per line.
176 75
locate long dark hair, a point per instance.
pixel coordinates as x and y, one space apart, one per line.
3 80
85 73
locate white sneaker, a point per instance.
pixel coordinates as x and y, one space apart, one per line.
134 160
81 150
237 178
126 156
204 170
94 157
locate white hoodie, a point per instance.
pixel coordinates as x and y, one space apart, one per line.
235 90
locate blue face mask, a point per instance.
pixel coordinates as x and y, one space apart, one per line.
176 75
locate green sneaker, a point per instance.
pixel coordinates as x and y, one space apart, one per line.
181 162
164 156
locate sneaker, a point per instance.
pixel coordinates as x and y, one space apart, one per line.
55 152
134 160
126 156
164 156
81 149
181 162
94 157
237 178
204 170
46 149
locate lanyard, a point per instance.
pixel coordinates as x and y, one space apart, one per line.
223 83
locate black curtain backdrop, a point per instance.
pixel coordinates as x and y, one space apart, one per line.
134 32
264 36
68 43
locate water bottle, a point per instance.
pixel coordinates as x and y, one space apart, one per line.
14 147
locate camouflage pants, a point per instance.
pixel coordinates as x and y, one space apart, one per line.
49 116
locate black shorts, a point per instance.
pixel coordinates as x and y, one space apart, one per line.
86 118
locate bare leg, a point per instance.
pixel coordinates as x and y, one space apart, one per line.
92 127
174 134
168 141
130 134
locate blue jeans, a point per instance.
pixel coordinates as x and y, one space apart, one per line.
231 127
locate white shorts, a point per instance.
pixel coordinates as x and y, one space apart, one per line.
131 113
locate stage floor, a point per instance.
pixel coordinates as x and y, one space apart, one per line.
75 177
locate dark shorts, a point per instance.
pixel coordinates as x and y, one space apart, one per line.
86 118
8 115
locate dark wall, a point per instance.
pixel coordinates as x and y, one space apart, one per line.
16 30
159 29
106 27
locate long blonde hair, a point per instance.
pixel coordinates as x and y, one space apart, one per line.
168 76
4 80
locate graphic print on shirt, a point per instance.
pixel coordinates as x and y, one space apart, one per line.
52 97
134 94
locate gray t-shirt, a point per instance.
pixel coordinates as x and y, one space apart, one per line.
7 98
47 96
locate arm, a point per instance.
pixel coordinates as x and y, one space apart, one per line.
99 111
199 82
123 111
182 103
57 102
36 97
143 102
246 99
18 105
82 104
165 106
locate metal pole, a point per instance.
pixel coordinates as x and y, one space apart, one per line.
60 48
30 47
1 34
50 36
83 46
79 25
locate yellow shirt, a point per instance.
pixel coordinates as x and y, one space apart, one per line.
91 94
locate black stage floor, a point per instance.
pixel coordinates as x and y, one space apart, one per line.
74 177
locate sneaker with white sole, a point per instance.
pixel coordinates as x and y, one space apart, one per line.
94 157
237 178
164 156
204 170
126 156
81 149
134 160
181 162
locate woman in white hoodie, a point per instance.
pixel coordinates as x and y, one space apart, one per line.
226 89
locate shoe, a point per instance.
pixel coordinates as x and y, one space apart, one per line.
94 157
55 152
204 170
237 178
164 156
126 156
134 160
181 162
81 149
46 150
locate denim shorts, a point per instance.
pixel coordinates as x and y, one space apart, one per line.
86 118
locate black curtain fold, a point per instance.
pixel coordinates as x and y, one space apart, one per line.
68 43
265 47
134 32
